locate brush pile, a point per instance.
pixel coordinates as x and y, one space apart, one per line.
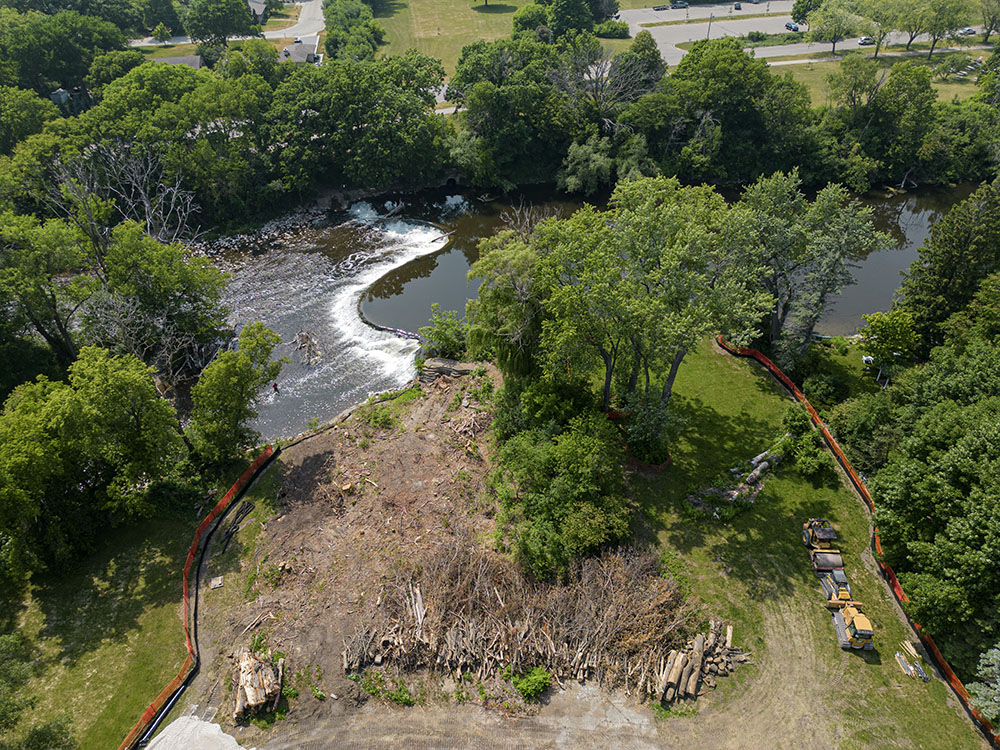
617 620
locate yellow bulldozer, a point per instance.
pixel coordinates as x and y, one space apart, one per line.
818 533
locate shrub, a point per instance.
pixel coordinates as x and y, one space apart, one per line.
532 685
796 421
756 36
612 30
823 387
445 336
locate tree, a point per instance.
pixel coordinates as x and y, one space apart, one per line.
110 67
963 248
33 258
883 17
158 305
833 22
986 689
79 454
227 393
913 19
990 11
530 17
888 338
944 18
161 33
806 250
22 113
155 12
802 8
214 22
855 83
567 17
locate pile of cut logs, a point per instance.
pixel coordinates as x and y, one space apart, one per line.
258 684
683 672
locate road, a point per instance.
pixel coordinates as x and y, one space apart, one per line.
727 22
310 23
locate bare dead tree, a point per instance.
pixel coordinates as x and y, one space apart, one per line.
123 326
120 181
602 83
524 217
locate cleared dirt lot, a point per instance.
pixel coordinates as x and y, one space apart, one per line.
356 501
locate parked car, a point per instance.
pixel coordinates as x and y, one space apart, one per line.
967 31
661 7
866 41
737 6
792 26
677 4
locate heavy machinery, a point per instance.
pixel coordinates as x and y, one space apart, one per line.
854 629
818 533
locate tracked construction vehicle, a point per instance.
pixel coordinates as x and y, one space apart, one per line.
853 628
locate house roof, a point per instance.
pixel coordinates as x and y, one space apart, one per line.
303 52
192 61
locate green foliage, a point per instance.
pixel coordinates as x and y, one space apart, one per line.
446 334
528 18
564 496
227 392
43 52
612 30
833 21
532 685
962 250
111 66
568 17
400 695
986 690
214 22
161 33
373 682
74 455
352 32
22 113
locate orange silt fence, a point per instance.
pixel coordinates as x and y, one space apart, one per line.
191 660
989 731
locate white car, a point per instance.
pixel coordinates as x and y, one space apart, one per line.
865 41
967 31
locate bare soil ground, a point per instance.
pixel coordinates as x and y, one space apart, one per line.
375 491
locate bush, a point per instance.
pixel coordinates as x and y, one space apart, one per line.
529 17
823 388
756 36
446 335
612 30
796 421
814 463
532 685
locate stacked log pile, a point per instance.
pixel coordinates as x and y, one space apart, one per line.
618 621
258 683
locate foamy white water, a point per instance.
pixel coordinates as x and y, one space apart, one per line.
316 287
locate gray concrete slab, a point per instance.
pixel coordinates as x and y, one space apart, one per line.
191 733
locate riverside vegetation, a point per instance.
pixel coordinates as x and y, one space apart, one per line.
103 316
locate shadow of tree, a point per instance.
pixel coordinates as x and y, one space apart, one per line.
496 8
387 8
105 595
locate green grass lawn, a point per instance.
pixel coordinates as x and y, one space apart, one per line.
283 18
731 17
813 75
440 28
108 632
755 566
156 51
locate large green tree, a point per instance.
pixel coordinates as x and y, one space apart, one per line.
963 248
833 22
214 22
79 453
227 393
22 113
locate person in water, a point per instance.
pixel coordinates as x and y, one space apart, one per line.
275 387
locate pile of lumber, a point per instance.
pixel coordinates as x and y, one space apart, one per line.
618 620
685 672
258 683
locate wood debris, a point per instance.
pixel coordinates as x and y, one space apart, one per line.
257 683
618 621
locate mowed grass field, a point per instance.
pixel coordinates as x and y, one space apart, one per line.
108 633
814 75
440 28
755 572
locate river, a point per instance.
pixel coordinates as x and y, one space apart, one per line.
396 267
